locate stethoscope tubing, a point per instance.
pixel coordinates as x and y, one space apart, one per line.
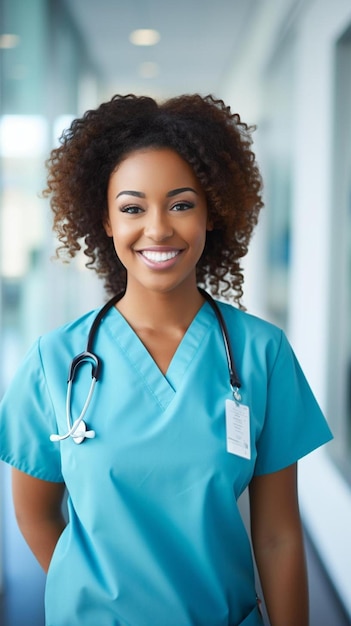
77 430
233 376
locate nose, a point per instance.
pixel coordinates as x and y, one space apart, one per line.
158 225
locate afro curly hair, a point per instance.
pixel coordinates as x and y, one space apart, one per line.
204 132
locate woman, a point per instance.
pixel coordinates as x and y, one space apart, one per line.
165 198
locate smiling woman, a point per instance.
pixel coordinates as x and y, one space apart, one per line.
166 197
214 143
159 227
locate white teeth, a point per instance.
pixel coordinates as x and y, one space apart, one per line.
159 257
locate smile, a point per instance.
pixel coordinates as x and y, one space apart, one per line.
159 257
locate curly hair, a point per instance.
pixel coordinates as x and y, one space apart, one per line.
204 132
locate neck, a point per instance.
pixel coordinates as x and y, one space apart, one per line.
155 309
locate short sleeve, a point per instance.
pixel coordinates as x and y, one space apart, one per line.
27 419
294 423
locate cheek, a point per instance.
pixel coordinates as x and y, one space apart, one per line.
196 237
124 235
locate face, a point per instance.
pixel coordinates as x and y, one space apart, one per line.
157 216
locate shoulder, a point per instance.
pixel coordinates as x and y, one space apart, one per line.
69 332
57 347
250 327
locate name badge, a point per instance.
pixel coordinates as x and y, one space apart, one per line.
238 429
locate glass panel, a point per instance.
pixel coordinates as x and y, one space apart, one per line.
347 390
42 66
348 370
339 392
276 132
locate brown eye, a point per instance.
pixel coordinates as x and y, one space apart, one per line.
182 206
132 209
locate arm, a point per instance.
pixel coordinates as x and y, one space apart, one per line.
277 541
38 508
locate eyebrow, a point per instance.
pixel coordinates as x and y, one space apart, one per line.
174 192
170 194
137 194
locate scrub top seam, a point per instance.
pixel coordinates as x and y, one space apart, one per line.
275 359
195 338
140 374
162 387
55 478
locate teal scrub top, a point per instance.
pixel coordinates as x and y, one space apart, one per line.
155 536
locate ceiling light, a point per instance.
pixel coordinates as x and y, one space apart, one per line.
148 69
144 37
9 41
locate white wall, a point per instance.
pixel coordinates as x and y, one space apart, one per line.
325 497
315 27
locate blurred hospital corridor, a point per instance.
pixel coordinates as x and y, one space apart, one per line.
285 67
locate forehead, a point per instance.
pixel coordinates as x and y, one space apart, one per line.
154 164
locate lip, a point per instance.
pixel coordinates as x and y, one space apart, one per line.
159 257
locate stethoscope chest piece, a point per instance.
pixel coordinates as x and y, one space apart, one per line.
81 432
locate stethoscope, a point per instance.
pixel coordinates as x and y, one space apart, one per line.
78 430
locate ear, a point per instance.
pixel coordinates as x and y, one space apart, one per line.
209 224
107 226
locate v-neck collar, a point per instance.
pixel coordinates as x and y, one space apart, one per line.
162 386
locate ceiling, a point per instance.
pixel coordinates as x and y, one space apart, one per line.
199 41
